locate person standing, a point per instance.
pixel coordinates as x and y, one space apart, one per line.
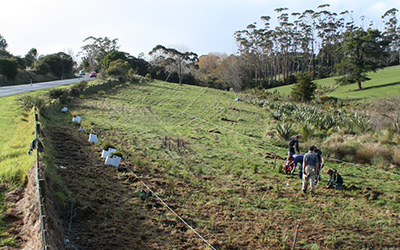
321 161
293 145
310 169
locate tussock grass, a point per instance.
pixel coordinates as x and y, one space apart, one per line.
367 152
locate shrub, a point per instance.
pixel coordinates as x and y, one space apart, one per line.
107 144
8 68
305 131
284 130
42 68
373 153
78 88
339 146
27 102
396 156
56 93
119 154
303 91
75 113
328 100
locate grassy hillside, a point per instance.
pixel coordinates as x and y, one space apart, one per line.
208 156
384 83
17 128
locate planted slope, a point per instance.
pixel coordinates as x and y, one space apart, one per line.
204 154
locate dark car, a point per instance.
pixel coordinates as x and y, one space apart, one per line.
93 74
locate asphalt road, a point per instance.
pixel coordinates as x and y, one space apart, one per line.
18 89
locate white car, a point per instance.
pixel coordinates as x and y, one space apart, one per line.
82 73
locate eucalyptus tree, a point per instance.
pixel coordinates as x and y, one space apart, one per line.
178 59
308 30
94 52
3 43
329 31
283 41
31 57
392 34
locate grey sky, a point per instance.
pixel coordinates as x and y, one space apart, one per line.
202 26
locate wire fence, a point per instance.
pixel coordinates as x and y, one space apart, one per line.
170 209
39 182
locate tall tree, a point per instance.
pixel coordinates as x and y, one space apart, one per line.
176 58
31 57
362 51
392 34
94 52
304 90
3 43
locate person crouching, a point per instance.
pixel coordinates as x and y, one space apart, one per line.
310 169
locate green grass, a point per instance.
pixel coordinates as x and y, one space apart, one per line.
17 129
191 132
384 83
202 139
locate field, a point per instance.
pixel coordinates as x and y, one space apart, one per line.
384 83
207 157
213 160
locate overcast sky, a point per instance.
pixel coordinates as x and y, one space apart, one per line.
201 26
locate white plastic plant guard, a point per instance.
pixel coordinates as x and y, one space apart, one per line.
64 109
113 161
106 153
76 119
93 138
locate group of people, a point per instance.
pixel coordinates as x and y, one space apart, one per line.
310 167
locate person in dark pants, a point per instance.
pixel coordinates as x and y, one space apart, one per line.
335 180
298 159
293 145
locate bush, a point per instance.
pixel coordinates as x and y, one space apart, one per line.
341 147
396 156
327 100
59 64
284 130
27 102
56 93
42 68
78 88
8 68
303 91
373 153
60 94
107 144
119 154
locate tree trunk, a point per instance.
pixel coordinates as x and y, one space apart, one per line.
359 85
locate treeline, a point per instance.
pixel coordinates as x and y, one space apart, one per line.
55 66
313 41
317 43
